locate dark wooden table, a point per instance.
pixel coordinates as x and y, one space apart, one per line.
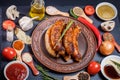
63 5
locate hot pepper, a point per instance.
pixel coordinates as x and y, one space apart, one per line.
92 27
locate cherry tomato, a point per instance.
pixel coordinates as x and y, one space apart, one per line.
9 53
93 68
8 24
89 10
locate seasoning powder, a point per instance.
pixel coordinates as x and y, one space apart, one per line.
18 45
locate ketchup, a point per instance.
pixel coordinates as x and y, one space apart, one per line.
16 71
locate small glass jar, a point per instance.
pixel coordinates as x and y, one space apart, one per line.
37 9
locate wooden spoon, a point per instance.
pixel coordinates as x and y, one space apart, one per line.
109 36
75 77
18 45
27 58
54 11
79 12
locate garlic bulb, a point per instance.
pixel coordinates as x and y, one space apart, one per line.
12 12
26 23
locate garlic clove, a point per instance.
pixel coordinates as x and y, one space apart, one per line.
28 26
108 25
26 23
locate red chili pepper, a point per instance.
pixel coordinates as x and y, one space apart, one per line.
94 29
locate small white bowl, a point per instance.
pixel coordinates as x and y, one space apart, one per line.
107 61
14 62
104 12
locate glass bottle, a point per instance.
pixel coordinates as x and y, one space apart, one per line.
37 9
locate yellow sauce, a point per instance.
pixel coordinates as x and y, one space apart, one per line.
37 10
106 12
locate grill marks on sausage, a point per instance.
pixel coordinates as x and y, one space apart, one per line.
67 47
70 42
48 43
76 54
56 32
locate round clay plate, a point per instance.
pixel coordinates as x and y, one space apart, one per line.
87 47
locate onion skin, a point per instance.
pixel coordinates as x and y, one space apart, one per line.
106 48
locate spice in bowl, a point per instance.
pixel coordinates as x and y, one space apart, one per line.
18 45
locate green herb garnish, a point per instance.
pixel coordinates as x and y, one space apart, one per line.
45 75
63 33
117 64
67 27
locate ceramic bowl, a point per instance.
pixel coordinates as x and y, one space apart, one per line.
103 13
107 61
16 70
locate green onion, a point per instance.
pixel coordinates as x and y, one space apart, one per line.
117 64
63 33
67 27
45 75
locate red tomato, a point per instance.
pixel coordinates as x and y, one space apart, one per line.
93 68
8 24
9 53
89 10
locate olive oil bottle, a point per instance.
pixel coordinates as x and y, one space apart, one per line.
37 9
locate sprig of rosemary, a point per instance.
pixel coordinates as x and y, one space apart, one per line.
64 31
45 75
67 27
117 64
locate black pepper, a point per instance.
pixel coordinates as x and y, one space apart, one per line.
83 76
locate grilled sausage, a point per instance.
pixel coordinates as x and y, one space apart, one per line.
48 43
76 54
71 43
56 32
68 46
68 43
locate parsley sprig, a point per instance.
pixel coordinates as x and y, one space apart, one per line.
44 74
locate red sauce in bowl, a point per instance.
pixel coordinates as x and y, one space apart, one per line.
16 71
